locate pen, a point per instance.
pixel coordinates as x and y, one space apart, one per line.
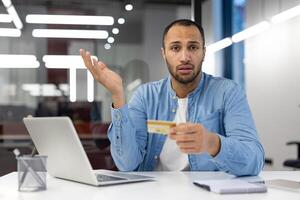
28 168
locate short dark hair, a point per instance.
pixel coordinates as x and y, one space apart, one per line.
183 22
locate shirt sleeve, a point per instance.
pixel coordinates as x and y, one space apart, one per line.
128 133
241 153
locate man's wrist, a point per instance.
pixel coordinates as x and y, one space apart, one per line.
118 101
213 144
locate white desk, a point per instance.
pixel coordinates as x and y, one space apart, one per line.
169 186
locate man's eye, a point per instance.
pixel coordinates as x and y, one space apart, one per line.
175 48
194 48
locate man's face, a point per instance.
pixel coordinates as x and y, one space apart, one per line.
184 53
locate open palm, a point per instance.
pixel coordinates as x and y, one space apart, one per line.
108 78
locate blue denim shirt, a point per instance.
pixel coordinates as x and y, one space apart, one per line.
217 103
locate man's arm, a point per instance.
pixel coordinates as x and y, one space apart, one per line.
128 133
239 152
128 139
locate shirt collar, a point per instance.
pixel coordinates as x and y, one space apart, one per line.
195 91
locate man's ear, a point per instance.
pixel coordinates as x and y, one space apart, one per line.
163 53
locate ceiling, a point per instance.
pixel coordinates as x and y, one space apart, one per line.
96 2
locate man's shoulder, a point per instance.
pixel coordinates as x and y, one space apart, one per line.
154 85
220 85
222 82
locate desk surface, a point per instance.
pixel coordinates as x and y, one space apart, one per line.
168 185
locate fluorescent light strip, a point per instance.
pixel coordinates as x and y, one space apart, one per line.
64 61
70 19
251 31
15 17
72 84
285 15
10 32
68 33
90 86
5 18
219 45
6 3
18 61
34 64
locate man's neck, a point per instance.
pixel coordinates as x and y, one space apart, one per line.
182 90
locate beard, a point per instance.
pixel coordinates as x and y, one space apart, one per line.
184 79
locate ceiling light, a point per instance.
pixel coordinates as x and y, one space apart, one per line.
115 31
6 3
107 46
110 40
128 7
5 18
69 33
121 20
64 61
15 17
12 65
285 15
69 19
251 31
90 86
218 45
18 61
10 32
72 84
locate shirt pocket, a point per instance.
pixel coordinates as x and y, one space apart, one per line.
213 122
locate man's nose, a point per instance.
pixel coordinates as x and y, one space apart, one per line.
185 56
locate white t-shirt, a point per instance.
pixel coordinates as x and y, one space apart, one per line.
171 158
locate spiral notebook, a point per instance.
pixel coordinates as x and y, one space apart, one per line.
231 186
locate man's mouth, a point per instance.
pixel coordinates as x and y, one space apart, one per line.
185 69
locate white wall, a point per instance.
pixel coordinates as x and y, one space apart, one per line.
272 65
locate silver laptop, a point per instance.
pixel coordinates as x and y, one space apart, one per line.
57 138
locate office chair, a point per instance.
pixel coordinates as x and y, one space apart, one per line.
294 163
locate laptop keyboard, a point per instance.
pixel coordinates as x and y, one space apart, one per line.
105 178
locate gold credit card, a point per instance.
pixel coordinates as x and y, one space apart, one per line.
160 127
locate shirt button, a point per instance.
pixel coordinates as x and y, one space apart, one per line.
174 97
173 110
155 157
118 116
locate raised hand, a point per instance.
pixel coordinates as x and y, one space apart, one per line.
106 77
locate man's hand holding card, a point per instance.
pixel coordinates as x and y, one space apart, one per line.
190 137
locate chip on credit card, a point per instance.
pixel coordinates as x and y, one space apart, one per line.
160 127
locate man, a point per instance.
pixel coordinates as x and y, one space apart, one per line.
215 130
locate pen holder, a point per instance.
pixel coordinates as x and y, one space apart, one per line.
32 173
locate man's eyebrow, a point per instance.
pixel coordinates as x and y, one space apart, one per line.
175 42
178 42
194 42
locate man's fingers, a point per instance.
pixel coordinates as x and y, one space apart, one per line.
85 59
185 128
183 137
186 144
89 60
188 150
100 64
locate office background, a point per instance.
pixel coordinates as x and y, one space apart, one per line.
266 65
